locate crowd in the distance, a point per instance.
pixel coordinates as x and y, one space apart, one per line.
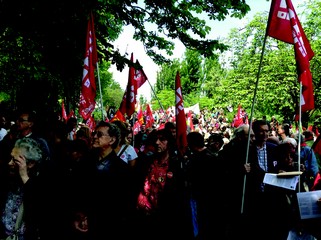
70 182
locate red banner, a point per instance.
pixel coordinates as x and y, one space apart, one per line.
239 119
136 78
149 117
140 116
63 111
284 25
88 85
181 128
127 106
118 117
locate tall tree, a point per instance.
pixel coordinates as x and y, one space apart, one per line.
42 44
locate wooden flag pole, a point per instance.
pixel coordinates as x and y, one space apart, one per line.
251 118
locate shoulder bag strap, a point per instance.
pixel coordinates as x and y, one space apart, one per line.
19 218
122 151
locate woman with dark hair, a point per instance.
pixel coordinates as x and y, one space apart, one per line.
124 150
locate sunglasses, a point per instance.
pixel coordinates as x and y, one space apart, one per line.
161 138
99 134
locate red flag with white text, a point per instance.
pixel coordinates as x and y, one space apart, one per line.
136 127
91 123
88 84
127 106
149 117
136 78
284 25
140 77
181 128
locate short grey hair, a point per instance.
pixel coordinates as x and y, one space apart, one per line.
30 149
240 131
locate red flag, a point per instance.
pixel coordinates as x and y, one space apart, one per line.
136 78
190 120
149 117
118 116
238 120
63 111
136 127
91 123
140 77
140 117
181 135
88 85
71 114
127 105
284 25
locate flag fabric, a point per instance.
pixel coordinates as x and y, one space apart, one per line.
136 78
238 120
181 128
136 127
71 114
140 116
127 106
118 117
88 85
91 123
284 25
63 111
149 117
140 77
190 120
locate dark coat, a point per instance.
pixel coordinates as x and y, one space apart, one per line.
172 217
107 196
206 179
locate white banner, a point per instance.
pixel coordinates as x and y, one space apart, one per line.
195 109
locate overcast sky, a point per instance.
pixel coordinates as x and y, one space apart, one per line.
125 43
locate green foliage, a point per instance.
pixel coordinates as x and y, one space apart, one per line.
240 77
43 45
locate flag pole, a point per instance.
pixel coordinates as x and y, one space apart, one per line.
101 99
299 135
251 117
157 99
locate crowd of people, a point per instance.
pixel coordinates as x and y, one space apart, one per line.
74 183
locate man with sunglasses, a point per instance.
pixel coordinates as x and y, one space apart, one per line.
106 195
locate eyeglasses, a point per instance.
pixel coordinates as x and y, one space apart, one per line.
22 120
99 134
161 138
